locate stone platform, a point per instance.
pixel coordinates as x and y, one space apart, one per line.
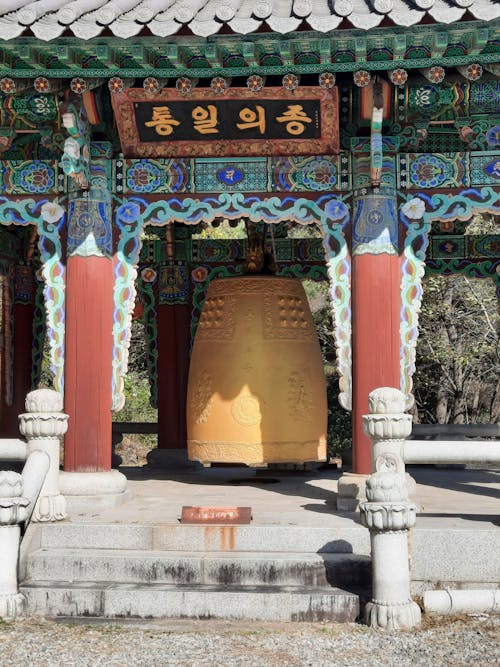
299 559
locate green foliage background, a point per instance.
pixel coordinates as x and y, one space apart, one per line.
457 378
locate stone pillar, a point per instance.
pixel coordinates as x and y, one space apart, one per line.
388 514
43 425
13 511
88 352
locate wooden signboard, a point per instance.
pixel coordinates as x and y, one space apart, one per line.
274 121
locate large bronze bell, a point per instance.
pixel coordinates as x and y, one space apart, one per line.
256 391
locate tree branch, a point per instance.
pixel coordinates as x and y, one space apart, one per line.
443 369
481 305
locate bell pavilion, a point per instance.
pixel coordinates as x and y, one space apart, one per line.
128 125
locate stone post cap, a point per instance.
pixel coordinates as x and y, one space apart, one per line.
11 484
389 400
44 400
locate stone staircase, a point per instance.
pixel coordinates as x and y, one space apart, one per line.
275 573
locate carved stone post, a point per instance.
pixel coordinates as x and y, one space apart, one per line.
43 426
13 511
388 514
18 496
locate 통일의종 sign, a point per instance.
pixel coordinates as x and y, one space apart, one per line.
274 121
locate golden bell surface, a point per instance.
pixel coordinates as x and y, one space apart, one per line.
257 391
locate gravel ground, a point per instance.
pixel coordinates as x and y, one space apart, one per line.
439 642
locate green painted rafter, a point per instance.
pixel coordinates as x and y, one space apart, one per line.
276 70
341 51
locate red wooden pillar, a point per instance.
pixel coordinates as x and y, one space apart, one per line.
376 304
22 357
88 340
174 323
6 334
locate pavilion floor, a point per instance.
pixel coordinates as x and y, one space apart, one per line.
137 559
445 497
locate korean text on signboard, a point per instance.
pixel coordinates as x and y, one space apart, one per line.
228 119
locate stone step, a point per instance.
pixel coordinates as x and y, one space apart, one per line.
123 600
348 538
211 568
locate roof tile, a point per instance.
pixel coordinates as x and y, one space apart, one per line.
47 19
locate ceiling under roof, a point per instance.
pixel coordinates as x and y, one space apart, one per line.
85 19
